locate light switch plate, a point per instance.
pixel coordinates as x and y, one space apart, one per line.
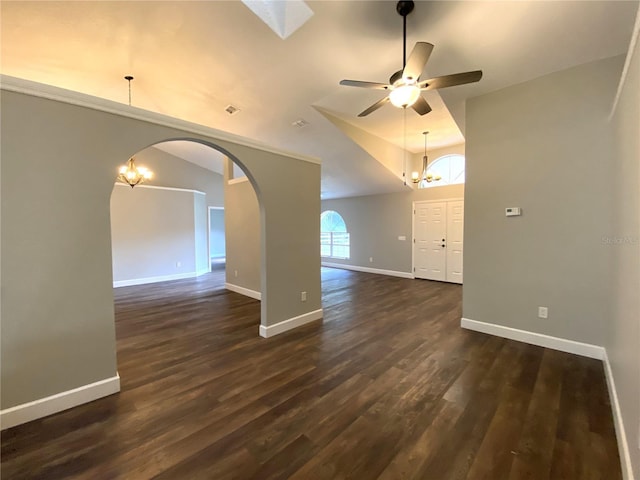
512 211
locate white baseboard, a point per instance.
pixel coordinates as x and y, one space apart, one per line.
379 271
555 343
162 278
243 291
623 446
43 407
285 325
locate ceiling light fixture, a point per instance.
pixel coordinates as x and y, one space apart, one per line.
426 177
129 173
404 95
132 175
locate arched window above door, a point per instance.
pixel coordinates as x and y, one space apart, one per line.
450 169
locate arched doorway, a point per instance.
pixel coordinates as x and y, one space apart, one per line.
162 230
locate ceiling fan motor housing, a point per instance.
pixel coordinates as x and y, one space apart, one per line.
404 8
395 77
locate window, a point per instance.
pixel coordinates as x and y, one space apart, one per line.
449 167
334 238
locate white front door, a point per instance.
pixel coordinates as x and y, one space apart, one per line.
455 236
438 240
430 236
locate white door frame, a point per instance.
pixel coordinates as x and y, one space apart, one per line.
209 233
413 225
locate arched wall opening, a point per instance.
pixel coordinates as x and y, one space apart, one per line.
159 236
163 230
60 152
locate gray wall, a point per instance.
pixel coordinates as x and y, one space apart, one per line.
152 230
57 316
544 146
216 233
242 227
623 241
375 222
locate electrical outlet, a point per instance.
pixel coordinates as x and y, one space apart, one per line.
235 273
543 312
370 259
178 264
303 296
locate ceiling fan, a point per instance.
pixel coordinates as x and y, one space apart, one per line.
404 86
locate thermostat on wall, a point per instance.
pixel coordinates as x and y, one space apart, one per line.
512 211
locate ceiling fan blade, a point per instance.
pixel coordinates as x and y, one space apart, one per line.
451 80
417 60
374 107
421 106
357 83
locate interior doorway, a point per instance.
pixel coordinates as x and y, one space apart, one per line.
438 233
217 242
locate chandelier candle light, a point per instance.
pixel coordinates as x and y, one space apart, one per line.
426 177
129 173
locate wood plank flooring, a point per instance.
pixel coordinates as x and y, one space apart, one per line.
387 387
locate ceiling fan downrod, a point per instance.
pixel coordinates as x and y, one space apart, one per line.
404 8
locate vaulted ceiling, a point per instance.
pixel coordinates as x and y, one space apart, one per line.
191 60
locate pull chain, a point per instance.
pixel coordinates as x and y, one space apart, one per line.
404 160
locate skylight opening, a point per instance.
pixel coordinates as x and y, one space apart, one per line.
282 16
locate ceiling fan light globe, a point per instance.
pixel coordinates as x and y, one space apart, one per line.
404 96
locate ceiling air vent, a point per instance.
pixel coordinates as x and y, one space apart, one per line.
231 110
301 122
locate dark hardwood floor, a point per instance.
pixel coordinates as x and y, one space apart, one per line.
387 387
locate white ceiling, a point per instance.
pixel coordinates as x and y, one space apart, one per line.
192 59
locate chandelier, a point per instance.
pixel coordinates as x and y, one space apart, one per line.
426 176
129 173
133 175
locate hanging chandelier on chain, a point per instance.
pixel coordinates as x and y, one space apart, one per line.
129 173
